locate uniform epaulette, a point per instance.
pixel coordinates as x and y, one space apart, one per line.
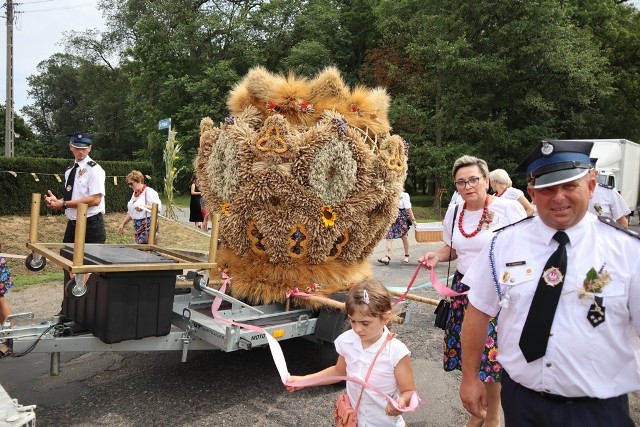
614 224
92 163
515 223
610 187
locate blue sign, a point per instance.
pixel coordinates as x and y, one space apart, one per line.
164 124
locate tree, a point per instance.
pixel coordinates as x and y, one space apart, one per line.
491 77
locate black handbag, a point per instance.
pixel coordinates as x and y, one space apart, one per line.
444 306
442 313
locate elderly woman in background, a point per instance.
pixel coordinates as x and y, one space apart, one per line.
139 207
473 223
501 185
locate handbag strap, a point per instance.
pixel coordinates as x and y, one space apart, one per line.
390 336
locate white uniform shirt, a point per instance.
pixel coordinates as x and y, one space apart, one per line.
581 360
372 406
148 197
405 201
89 181
512 194
608 202
504 212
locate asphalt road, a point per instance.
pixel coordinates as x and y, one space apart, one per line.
230 389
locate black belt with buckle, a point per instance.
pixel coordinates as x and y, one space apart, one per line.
562 399
90 218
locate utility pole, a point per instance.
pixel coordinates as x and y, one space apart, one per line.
8 126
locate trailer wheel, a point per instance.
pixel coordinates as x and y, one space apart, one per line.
199 281
327 355
68 287
32 265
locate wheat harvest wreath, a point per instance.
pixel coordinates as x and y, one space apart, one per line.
306 176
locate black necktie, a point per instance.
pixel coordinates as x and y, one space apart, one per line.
535 334
68 187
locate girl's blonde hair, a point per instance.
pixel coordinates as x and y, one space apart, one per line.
379 303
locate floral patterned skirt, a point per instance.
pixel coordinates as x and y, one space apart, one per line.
5 277
141 229
400 227
490 369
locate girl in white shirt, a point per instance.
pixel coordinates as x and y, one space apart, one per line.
139 207
369 308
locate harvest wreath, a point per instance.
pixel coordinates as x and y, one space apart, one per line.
307 184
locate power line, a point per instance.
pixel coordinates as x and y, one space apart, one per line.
76 6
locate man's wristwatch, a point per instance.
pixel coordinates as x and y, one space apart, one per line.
64 204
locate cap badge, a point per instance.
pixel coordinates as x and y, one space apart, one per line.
552 276
546 149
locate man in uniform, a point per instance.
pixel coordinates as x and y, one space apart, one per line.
567 287
607 201
84 183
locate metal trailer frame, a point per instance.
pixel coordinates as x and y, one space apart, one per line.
192 325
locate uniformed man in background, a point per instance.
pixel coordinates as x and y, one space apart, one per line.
84 183
607 201
566 285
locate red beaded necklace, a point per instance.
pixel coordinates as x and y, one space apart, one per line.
501 193
139 192
482 219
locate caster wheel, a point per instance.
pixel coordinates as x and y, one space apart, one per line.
68 289
32 265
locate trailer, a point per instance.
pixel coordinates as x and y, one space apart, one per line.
114 304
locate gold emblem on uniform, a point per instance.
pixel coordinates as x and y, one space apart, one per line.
552 276
598 208
82 171
528 271
505 277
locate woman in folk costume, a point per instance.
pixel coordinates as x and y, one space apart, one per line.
473 223
139 207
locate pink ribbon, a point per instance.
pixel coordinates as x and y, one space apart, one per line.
281 364
443 289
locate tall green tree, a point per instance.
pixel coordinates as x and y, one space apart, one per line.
493 77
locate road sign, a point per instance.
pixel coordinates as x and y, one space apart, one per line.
164 124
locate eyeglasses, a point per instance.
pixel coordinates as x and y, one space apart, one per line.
473 182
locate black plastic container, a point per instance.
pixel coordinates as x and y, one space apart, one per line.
124 305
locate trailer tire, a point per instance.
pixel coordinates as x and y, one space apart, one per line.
329 325
32 265
327 355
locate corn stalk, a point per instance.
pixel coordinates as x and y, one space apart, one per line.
170 155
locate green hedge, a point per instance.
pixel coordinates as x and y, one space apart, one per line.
17 182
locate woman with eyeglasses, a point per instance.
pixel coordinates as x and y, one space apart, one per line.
467 227
139 207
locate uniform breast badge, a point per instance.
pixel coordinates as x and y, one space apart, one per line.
598 208
595 316
552 276
593 284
